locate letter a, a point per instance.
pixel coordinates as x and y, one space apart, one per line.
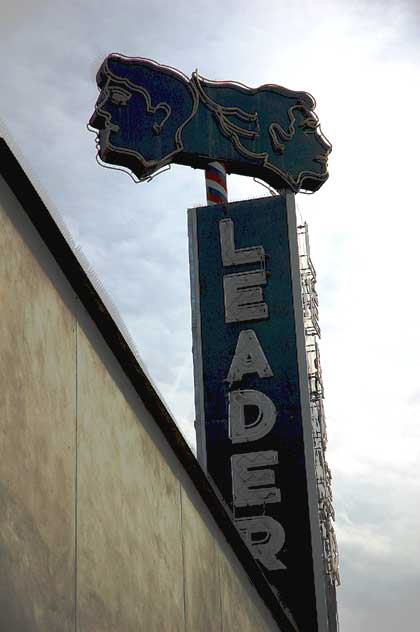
249 358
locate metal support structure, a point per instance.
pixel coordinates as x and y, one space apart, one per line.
316 392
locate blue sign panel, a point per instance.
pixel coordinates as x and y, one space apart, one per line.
149 115
252 402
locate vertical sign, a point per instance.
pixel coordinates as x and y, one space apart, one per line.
252 401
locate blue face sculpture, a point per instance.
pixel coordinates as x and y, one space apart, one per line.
148 116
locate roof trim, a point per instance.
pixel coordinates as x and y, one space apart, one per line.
61 251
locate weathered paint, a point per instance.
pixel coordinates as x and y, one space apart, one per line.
201 568
129 530
37 438
238 611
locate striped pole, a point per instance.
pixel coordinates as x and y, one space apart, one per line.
216 188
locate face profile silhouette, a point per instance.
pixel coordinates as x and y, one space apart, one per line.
148 115
140 112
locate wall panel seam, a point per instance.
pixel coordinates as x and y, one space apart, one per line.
184 591
76 473
220 590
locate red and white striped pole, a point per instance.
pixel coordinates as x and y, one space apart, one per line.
216 188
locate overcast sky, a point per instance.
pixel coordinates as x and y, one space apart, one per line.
361 61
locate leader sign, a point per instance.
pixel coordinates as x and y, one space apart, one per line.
252 406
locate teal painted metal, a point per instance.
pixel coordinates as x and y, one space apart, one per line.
148 116
253 423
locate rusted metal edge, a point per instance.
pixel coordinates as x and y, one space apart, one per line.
52 236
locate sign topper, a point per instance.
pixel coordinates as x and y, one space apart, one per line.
149 116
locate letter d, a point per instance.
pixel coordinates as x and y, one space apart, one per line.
239 431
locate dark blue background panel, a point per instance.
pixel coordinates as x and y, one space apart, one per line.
262 222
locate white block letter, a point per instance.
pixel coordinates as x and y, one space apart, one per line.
238 404
244 297
248 478
266 547
249 358
231 256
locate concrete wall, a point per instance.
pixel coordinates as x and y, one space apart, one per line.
100 527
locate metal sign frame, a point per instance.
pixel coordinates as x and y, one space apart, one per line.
197 280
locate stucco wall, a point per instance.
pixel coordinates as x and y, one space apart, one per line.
101 529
